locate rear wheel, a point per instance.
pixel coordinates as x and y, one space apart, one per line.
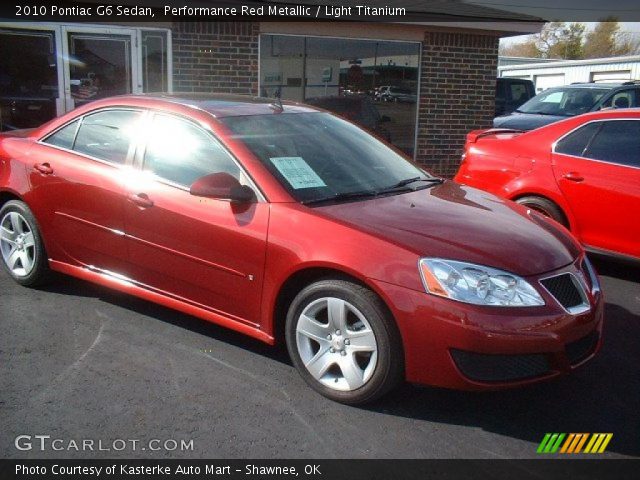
545 207
23 253
343 342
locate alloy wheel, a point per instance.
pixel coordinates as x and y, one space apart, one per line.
17 244
336 344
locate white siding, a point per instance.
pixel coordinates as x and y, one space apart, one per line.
611 69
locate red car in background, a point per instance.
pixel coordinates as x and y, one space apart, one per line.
583 172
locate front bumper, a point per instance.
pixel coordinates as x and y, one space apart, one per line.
469 347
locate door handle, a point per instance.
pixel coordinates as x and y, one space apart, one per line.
141 199
43 168
573 177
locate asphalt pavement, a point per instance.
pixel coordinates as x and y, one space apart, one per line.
81 363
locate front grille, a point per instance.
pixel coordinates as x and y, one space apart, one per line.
565 289
500 368
582 348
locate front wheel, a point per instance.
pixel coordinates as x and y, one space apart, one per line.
343 342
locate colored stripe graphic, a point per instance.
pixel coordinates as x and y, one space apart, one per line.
597 443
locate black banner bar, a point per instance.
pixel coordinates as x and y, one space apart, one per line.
546 469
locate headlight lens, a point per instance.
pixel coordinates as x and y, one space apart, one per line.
477 284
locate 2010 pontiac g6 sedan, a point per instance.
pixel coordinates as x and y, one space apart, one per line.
287 223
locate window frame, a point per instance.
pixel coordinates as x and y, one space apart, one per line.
133 145
602 122
138 158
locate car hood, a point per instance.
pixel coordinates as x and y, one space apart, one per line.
462 223
525 121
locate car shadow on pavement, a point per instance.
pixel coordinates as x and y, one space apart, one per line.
65 285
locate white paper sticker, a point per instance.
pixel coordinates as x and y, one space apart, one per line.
297 172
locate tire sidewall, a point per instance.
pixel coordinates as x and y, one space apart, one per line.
382 378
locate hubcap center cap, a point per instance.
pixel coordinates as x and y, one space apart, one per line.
337 342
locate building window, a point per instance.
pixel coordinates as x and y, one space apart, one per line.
372 83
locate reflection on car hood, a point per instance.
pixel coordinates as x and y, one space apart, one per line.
525 121
463 223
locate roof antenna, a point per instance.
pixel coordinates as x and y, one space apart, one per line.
277 104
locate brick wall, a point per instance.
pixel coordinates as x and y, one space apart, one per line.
215 57
457 94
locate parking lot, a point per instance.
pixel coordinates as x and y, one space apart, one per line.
82 362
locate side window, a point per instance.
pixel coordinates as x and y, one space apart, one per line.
64 137
180 152
623 99
618 141
518 92
107 135
575 143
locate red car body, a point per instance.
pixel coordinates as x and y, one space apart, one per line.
598 200
239 266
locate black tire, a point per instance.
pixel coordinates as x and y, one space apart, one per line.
545 207
389 367
40 272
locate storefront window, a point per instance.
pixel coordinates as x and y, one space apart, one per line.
373 83
154 61
28 78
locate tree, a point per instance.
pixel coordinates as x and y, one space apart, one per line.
555 40
606 40
526 49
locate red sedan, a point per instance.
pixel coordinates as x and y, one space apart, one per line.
291 225
583 172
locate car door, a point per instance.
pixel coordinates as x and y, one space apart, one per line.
205 251
78 189
597 168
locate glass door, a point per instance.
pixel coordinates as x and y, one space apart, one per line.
28 78
99 64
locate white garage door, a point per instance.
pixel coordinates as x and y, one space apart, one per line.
547 81
611 76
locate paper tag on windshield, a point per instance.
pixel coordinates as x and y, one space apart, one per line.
297 172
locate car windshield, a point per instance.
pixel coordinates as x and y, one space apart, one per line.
563 101
317 156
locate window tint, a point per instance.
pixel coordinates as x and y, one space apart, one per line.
180 152
623 99
617 141
575 143
107 135
65 136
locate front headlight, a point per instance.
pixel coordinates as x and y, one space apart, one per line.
477 284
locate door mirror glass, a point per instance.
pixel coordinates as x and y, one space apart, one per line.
222 186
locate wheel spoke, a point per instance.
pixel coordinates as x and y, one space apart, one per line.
320 363
13 257
28 240
311 328
7 235
362 341
16 223
351 371
337 312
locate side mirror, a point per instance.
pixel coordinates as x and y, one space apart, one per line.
222 186
385 118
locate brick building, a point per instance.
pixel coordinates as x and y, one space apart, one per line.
443 73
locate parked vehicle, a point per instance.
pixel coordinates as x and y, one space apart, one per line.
290 224
397 94
511 93
559 103
358 109
583 172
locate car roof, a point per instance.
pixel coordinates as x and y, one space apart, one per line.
222 105
607 85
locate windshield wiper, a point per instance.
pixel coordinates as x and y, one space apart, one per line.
407 181
337 197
